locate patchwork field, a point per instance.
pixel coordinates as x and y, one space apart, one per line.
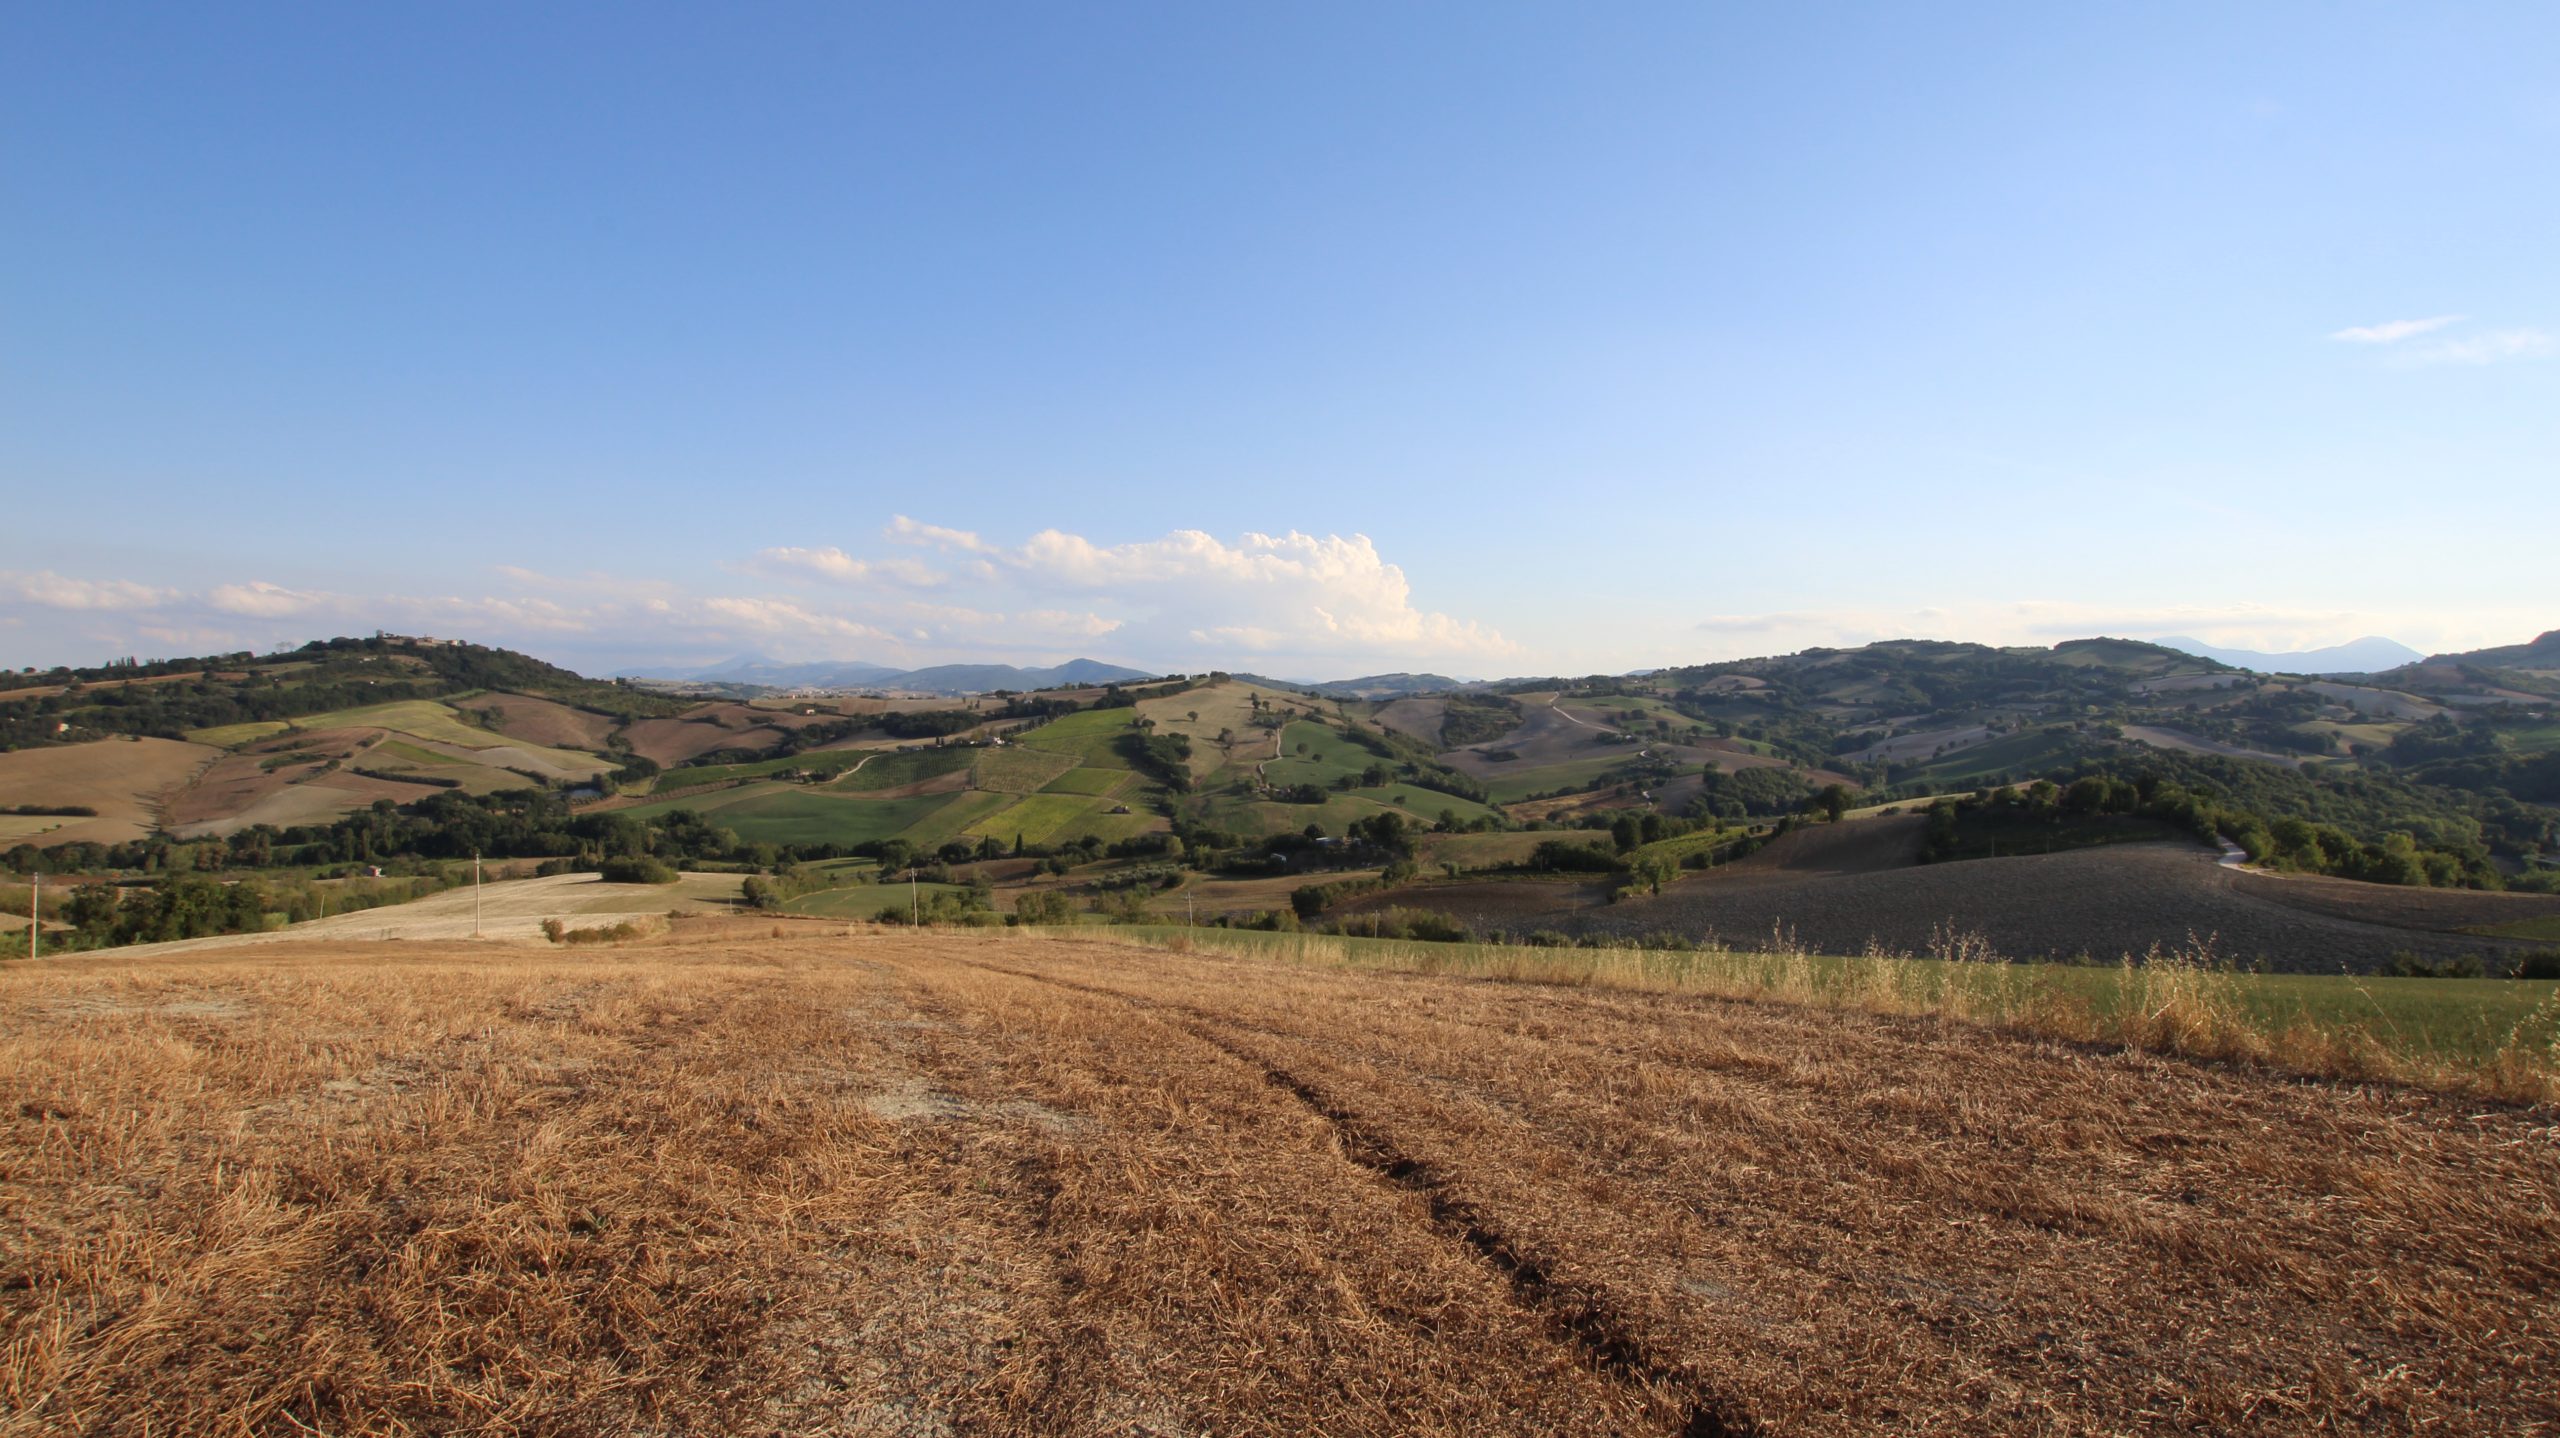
1014 769
1039 818
734 1183
1097 782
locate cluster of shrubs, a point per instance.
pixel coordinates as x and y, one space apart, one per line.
635 869
619 933
2539 964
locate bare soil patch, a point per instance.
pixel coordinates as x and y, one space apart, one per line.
673 741
2441 910
2100 904
2178 741
1927 744
929 1184
1417 717
546 722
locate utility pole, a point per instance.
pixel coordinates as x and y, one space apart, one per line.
915 910
35 911
1190 911
475 893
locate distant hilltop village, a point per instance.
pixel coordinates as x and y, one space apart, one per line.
421 641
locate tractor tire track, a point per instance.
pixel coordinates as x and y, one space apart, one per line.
1577 1315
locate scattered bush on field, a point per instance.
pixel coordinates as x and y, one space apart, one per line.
2539 964
637 869
1044 906
620 933
2461 966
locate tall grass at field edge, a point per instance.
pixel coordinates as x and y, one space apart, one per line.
2490 1038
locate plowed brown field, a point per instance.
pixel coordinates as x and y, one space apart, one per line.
546 722
924 1184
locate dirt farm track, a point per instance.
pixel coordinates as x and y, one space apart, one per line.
858 1183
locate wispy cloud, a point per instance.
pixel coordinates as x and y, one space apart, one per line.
258 599
908 531
2394 331
2497 348
57 591
834 564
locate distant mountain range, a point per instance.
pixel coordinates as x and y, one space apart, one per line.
2369 655
1369 686
937 679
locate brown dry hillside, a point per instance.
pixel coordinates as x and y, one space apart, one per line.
125 780
673 741
1417 717
1001 1184
545 722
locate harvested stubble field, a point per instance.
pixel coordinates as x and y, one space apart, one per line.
894 1183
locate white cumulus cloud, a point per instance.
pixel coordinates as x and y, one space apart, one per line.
61 591
834 564
908 531
2494 348
2394 331
1315 594
258 599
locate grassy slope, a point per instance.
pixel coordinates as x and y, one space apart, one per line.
1089 737
792 814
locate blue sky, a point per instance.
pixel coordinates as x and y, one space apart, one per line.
1315 340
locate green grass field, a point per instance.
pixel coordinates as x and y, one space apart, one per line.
696 775
1091 737
2547 927
955 816
419 718
1014 769
1336 814
1097 782
865 901
792 814
1606 709
1041 818
1512 783
424 719
1425 805
2421 1022
1480 851
903 767
1327 756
